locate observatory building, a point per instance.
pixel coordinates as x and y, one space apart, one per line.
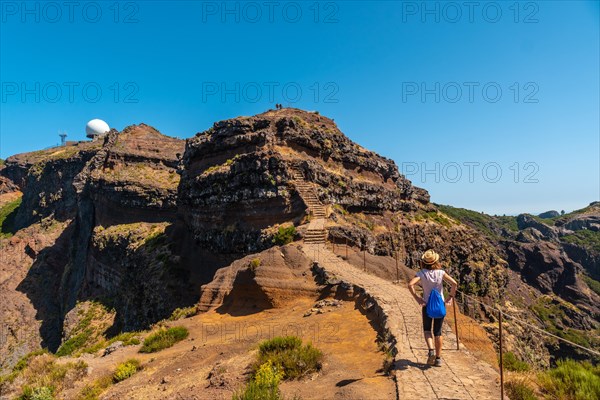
96 128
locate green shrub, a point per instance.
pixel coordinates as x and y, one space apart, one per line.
288 355
512 363
264 385
7 217
43 378
550 311
73 344
86 336
37 393
252 391
180 313
518 390
435 216
254 263
20 366
571 380
592 284
94 390
279 344
126 370
163 339
585 238
155 239
284 235
24 361
482 222
127 338
341 209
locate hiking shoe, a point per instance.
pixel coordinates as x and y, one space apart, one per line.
438 362
431 357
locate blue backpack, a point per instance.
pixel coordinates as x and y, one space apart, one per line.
435 305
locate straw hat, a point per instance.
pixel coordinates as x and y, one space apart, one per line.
430 257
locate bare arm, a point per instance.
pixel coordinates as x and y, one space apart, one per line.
453 287
411 287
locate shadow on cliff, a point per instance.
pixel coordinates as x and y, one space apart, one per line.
246 297
147 284
42 284
142 286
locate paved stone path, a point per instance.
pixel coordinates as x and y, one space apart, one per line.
462 376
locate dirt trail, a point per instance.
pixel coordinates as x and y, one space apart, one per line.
462 375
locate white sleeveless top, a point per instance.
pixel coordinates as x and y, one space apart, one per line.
431 279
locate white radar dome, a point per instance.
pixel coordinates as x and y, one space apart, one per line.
95 128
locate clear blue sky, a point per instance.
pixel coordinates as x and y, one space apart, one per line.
369 63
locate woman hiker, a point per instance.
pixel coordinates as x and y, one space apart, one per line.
431 277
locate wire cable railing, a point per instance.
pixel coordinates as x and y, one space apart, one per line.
318 254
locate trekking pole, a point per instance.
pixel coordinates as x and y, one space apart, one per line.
455 322
501 363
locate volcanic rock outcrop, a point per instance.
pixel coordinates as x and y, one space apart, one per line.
235 183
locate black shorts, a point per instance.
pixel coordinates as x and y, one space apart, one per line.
437 323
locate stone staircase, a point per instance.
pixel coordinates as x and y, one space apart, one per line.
316 233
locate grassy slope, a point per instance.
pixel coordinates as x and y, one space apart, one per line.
7 217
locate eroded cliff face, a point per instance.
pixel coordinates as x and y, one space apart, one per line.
133 177
101 200
46 178
236 177
133 269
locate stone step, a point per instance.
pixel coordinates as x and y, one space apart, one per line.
323 234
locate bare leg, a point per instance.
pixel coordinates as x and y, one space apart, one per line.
429 340
438 346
